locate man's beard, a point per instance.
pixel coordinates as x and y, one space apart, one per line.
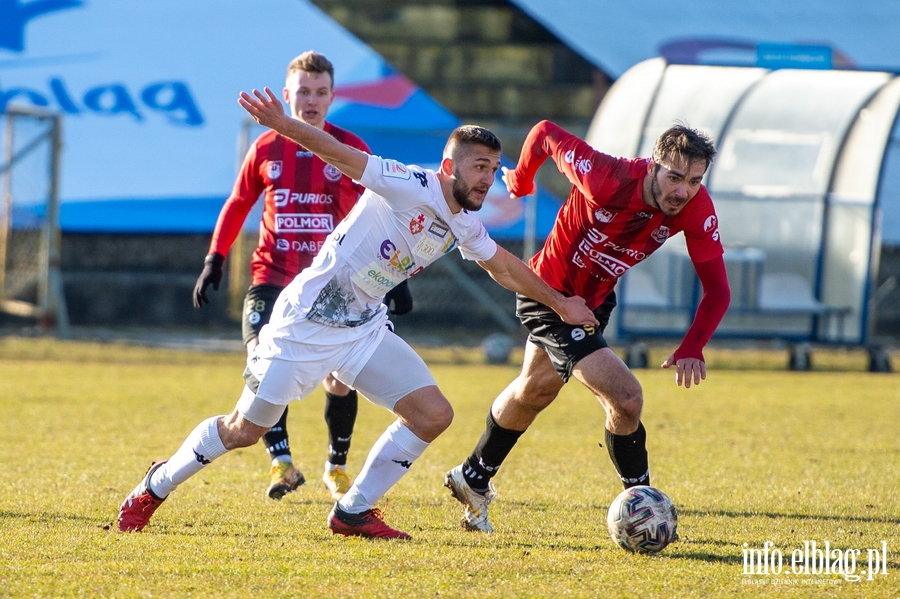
461 192
655 191
656 194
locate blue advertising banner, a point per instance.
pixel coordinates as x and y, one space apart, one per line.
149 95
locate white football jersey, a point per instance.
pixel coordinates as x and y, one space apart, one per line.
400 225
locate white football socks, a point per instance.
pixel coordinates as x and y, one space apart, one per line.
200 448
387 462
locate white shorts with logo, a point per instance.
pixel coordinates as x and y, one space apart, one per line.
375 361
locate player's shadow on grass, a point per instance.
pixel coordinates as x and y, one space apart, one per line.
786 516
675 552
45 517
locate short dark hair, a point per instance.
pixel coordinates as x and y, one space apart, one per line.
684 142
311 62
471 135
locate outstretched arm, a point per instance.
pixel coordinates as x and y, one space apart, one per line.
574 158
515 275
688 358
267 110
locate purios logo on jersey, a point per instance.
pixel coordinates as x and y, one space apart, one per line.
273 169
636 254
392 168
304 223
604 215
304 247
283 197
660 234
569 156
331 173
596 237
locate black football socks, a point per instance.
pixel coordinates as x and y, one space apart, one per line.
340 415
276 440
494 445
629 455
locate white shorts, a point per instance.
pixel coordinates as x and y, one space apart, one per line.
381 365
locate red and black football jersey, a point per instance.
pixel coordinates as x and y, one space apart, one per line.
304 199
604 228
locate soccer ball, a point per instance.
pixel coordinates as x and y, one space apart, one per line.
642 519
497 348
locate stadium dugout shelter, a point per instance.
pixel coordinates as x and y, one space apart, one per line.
796 184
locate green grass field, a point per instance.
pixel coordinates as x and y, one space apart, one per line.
754 454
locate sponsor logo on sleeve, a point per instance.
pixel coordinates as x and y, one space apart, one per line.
394 169
273 169
583 166
421 177
712 224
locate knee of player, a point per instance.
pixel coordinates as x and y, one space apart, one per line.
438 418
442 416
534 393
234 437
631 401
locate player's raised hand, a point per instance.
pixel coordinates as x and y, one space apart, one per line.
265 108
512 185
686 370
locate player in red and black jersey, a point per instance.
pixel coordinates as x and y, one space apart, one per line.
304 199
618 212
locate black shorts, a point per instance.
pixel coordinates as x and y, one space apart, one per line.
258 304
566 344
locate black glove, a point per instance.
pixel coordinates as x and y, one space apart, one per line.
402 299
211 275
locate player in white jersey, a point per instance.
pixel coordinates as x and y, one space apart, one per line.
331 319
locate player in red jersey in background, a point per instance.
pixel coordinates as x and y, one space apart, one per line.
618 212
304 199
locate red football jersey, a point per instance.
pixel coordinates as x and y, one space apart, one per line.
305 198
605 228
